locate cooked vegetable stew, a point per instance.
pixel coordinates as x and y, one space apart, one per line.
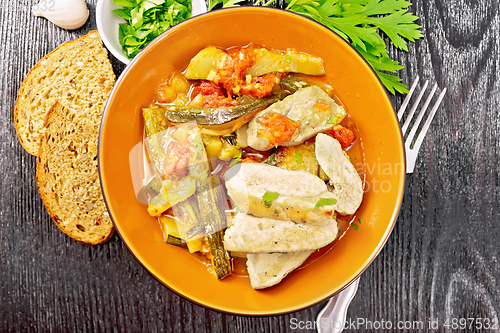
253 159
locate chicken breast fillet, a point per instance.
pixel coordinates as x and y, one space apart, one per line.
313 108
250 234
295 194
268 269
348 188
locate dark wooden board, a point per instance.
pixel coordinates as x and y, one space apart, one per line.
440 263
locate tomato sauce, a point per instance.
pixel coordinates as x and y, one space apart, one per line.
323 106
277 128
231 82
212 94
261 86
343 134
175 164
232 74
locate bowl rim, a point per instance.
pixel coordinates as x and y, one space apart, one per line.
381 242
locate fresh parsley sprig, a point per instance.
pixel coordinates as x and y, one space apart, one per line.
147 19
225 3
360 23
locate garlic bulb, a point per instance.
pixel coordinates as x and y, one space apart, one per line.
67 14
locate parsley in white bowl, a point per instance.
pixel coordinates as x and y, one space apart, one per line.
146 20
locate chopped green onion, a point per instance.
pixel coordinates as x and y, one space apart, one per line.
325 202
198 147
355 226
239 155
333 120
269 197
298 158
236 159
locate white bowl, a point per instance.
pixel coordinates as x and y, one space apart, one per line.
107 24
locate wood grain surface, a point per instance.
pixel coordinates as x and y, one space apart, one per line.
439 264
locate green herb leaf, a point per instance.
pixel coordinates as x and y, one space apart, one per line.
359 22
298 158
125 3
325 202
333 120
225 3
214 3
236 159
232 3
147 19
198 147
123 13
355 226
269 197
392 83
233 162
359 219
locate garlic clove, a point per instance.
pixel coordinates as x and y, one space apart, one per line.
67 14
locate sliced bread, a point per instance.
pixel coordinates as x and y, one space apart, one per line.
67 175
78 74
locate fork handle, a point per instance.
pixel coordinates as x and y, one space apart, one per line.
332 318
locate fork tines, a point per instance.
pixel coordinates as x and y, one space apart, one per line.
411 152
420 116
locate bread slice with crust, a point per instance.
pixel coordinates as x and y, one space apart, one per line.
78 74
67 175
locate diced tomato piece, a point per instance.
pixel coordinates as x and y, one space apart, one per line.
261 86
323 106
232 74
175 164
208 88
233 70
344 135
213 94
277 128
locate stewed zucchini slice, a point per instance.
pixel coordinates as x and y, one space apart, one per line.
211 203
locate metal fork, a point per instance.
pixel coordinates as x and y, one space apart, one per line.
332 317
412 152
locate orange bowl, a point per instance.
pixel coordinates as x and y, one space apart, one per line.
355 84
